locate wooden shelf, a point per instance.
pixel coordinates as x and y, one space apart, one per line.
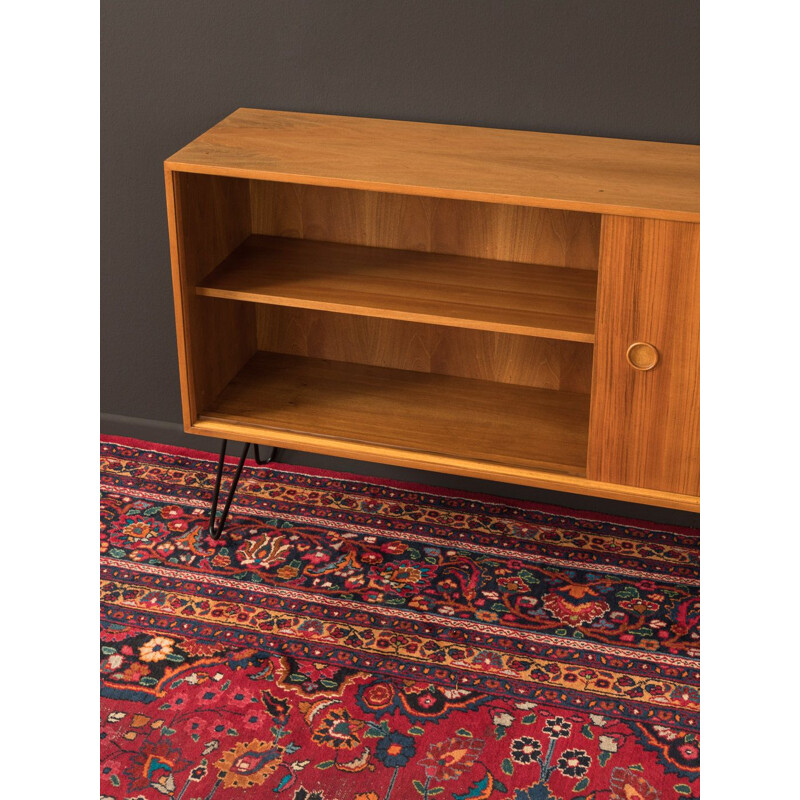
476 293
411 411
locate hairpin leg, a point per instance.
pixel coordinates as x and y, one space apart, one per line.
214 528
257 456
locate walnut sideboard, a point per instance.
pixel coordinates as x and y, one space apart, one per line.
508 305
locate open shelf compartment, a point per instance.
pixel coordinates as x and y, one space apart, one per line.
406 410
415 330
443 289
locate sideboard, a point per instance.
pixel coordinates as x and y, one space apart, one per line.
508 305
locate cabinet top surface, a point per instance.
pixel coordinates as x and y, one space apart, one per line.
579 173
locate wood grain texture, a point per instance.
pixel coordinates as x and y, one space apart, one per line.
244 431
211 217
417 411
505 358
471 468
429 224
576 173
645 424
475 293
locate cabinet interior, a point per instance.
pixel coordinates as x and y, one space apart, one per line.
414 323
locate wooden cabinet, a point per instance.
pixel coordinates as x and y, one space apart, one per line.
442 297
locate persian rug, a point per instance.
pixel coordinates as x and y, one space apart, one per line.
359 639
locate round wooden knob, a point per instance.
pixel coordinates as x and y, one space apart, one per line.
642 356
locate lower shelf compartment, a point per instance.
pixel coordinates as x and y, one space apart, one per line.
411 411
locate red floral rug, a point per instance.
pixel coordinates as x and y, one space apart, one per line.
355 639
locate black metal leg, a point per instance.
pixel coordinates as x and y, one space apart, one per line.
257 456
216 529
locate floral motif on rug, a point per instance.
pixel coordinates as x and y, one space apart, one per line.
351 639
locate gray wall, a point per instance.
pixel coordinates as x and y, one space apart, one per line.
169 70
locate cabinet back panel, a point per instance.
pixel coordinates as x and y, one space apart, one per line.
213 216
428 224
501 357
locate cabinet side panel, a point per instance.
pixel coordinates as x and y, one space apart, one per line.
211 218
500 357
427 224
179 299
645 425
